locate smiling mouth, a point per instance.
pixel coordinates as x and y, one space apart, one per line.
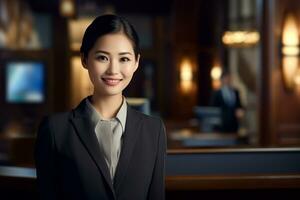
111 82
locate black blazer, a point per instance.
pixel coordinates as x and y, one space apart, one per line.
71 166
229 120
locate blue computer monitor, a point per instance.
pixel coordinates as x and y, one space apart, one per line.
209 117
25 82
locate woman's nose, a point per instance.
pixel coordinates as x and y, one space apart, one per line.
113 67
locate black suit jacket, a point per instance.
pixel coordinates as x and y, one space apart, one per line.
229 120
71 166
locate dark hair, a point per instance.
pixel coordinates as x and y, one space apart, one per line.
106 24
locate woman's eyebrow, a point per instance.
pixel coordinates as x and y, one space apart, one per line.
105 52
124 53
101 51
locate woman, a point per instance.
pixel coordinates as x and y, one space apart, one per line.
103 149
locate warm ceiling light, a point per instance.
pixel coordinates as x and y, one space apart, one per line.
186 75
215 75
290 52
216 72
240 38
186 71
290 35
67 8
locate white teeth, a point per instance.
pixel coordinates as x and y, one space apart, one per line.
111 81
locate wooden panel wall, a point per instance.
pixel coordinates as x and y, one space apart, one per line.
280 109
195 34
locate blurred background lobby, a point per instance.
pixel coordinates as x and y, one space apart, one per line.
186 45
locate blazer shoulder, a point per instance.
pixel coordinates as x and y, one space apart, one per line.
54 121
57 118
149 119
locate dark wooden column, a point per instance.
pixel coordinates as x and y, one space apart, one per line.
265 74
61 76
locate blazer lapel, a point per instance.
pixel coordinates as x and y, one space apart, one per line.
83 127
129 139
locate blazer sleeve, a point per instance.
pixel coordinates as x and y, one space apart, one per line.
238 99
44 154
157 186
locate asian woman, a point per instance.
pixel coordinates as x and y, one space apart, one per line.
103 149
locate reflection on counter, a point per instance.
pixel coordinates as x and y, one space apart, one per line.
188 138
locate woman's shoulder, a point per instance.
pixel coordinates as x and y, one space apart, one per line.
54 124
149 119
56 118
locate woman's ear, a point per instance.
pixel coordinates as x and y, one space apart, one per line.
137 62
83 60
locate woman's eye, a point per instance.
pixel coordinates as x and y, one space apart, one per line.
102 58
125 59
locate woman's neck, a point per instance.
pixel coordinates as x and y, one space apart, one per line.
107 106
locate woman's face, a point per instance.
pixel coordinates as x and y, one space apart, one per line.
111 64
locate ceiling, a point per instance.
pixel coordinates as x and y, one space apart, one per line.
150 7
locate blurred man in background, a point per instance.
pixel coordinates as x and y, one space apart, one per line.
227 98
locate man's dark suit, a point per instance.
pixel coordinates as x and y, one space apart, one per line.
71 166
229 120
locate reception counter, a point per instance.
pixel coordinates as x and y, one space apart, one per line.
248 168
192 172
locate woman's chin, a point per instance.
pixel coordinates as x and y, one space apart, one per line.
108 92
